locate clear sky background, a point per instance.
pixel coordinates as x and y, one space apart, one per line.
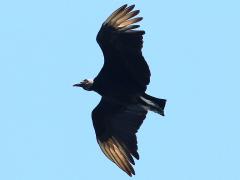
193 50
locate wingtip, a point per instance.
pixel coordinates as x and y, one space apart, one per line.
137 11
136 155
140 18
130 173
133 6
123 6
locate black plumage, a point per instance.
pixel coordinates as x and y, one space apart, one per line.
122 83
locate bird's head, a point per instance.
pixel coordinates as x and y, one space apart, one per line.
86 84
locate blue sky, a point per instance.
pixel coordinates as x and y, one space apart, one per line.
46 132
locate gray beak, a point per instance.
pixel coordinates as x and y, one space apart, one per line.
78 85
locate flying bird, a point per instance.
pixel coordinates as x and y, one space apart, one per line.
122 83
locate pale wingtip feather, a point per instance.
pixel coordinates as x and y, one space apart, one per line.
115 13
130 21
116 155
127 16
125 12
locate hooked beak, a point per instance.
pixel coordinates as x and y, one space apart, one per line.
78 85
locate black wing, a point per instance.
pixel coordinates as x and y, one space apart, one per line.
116 126
125 69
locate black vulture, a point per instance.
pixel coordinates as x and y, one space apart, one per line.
122 83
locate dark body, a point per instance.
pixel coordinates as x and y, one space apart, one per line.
125 71
122 83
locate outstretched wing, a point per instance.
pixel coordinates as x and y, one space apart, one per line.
118 27
116 126
121 44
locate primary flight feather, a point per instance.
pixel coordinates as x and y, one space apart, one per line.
122 83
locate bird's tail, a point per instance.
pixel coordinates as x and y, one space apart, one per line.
153 104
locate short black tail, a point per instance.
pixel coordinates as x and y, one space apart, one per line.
153 104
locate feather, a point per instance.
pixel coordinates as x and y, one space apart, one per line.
131 21
127 16
123 151
121 14
116 154
103 150
129 27
115 13
120 161
107 149
125 162
135 32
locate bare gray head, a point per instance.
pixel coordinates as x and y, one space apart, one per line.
86 84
